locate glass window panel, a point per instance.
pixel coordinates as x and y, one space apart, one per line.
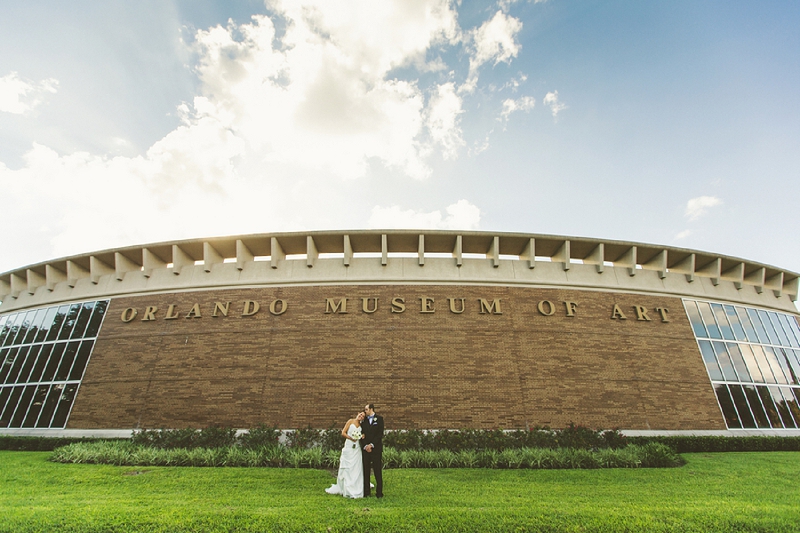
695 319
786 322
64 406
783 360
58 322
97 318
726 404
3 368
736 325
66 362
783 340
22 407
742 407
763 364
762 420
14 328
34 326
47 323
8 364
708 318
3 331
738 362
775 365
83 320
794 326
55 359
19 360
49 406
5 392
25 373
752 365
773 337
23 328
69 322
782 398
794 403
784 355
41 363
761 333
711 361
725 362
80 361
770 408
793 357
791 405
36 406
11 406
722 320
11 359
747 324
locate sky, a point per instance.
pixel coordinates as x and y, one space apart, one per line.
672 123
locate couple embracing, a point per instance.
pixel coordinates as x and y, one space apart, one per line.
362 452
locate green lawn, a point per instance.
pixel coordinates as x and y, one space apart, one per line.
713 492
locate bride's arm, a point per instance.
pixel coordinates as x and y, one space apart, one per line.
346 427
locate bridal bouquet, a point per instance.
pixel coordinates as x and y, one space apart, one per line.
357 436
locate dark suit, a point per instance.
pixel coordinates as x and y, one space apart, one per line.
373 434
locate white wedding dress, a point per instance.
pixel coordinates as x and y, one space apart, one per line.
350 481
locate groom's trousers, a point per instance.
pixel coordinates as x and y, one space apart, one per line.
373 461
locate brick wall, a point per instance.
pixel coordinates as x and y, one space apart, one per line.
422 370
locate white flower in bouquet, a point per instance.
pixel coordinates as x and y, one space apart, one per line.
357 433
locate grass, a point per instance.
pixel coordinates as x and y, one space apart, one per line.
714 492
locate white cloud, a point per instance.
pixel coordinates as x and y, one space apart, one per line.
460 215
526 103
282 124
19 96
494 40
443 122
697 207
683 234
551 101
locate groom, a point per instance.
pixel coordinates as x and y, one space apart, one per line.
372 445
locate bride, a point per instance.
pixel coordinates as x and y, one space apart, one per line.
350 481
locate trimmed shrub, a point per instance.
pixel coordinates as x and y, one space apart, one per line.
303 438
260 436
40 444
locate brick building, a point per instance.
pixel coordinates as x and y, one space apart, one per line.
439 329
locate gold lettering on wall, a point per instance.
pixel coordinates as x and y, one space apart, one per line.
250 308
550 307
149 313
617 313
332 307
492 309
398 304
371 305
365 305
194 312
641 313
453 305
273 307
221 308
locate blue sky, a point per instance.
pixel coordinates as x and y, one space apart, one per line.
674 123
